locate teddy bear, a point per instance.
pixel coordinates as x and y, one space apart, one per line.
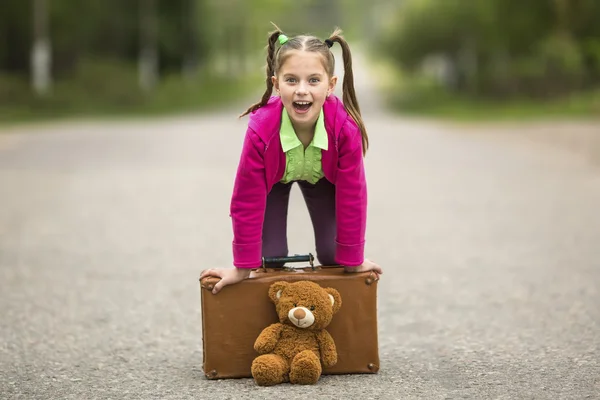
298 347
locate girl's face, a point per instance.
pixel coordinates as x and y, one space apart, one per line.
303 85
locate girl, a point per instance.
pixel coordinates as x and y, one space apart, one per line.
304 135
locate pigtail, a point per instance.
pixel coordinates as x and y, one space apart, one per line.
349 94
270 65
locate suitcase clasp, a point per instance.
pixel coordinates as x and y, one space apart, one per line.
282 260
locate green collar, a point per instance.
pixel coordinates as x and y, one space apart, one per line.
289 140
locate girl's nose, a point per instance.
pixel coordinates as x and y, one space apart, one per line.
301 89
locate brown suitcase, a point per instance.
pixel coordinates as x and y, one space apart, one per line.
233 318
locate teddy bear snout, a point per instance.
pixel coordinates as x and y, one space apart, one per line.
301 317
299 313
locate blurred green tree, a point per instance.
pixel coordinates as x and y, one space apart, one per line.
110 54
500 47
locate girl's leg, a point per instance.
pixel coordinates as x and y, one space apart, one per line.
275 223
320 200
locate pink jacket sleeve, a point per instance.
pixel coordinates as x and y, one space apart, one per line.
351 197
248 204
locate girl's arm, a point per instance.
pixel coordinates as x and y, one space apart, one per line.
248 203
351 197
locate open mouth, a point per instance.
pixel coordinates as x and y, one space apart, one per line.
302 106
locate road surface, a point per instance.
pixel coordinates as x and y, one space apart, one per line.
490 247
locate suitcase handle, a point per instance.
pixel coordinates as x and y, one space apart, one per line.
295 258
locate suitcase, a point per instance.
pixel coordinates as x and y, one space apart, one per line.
233 318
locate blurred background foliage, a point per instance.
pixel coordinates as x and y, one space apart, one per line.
474 53
67 57
143 56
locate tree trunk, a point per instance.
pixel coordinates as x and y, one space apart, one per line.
148 61
190 21
41 52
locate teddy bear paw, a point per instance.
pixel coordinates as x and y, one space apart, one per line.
305 368
269 369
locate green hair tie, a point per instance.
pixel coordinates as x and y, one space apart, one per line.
283 39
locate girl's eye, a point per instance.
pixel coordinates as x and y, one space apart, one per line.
314 80
312 308
290 80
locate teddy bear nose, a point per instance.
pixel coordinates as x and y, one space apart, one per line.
299 313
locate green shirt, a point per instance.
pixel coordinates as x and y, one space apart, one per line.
302 164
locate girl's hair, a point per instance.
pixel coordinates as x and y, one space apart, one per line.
276 58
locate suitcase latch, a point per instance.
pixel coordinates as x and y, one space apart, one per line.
282 260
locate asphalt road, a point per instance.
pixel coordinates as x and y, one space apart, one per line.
490 247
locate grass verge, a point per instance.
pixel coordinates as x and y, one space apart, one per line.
419 97
111 90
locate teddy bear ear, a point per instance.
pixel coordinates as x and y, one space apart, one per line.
276 289
336 299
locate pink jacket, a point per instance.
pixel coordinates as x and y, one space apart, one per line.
262 164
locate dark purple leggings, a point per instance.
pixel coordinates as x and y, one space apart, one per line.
320 201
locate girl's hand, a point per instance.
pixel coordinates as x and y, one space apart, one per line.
367 265
228 276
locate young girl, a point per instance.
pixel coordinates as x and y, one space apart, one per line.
304 135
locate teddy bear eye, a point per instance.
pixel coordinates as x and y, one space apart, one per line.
312 308
295 305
